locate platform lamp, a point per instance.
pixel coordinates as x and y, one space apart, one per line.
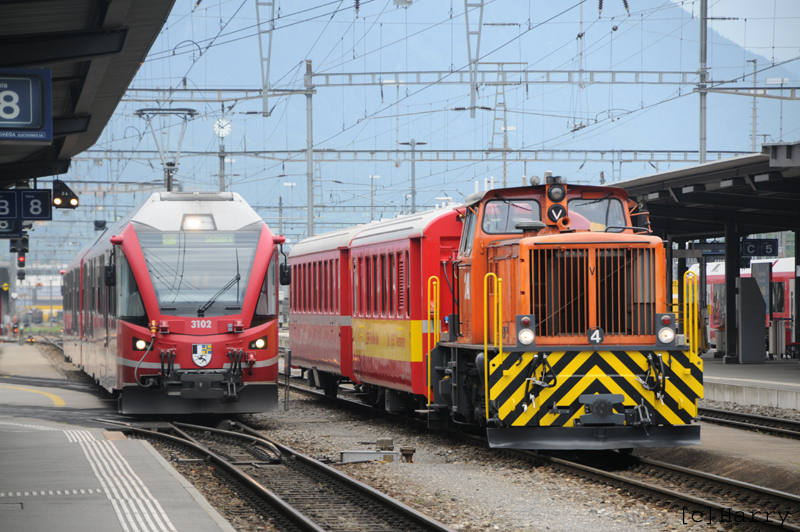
63 196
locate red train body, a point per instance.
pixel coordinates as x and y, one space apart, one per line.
174 308
335 326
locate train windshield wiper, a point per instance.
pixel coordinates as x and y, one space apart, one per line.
216 296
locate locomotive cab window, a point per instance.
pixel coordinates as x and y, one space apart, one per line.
596 214
468 234
502 216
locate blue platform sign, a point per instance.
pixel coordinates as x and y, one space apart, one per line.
10 229
26 107
35 204
8 204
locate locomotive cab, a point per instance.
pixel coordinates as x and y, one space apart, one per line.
563 318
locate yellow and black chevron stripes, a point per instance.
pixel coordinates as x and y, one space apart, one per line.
592 372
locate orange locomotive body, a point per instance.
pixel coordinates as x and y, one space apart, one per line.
548 326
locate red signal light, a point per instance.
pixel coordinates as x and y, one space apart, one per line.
21 260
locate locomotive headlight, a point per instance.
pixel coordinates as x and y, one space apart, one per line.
525 337
556 193
666 335
139 345
260 343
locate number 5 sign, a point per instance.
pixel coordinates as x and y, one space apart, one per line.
35 204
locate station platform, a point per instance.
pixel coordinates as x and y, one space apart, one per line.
57 473
773 383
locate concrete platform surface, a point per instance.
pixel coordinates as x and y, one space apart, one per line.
73 479
774 383
26 361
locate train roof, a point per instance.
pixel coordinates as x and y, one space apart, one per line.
164 211
365 234
778 266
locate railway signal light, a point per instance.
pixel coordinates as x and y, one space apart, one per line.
63 196
21 259
21 275
18 244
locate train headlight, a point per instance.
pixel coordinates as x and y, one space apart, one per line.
198 222
525 337
259 343
139 345
666 335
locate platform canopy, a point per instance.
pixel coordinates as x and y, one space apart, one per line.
93 49
758 193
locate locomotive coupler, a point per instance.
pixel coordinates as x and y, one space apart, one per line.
599 409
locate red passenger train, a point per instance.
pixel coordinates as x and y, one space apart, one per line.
351 288
174 308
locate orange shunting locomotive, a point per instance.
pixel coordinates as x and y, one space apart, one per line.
547 324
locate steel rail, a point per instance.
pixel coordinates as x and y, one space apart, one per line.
268 496
750 421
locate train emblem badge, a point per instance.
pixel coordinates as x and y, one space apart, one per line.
201 354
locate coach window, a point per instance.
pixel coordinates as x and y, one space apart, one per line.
778 296
375 285
392 284
407 285
129 300
356 303
368 285
336 287
384 282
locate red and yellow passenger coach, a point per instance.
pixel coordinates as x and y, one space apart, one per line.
357 309
174 308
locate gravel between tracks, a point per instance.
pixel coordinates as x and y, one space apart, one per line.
466 487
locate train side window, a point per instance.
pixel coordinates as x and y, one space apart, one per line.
383 285
129 300
267 307
778 296
392 284
375 284
407 285
368 286
337 287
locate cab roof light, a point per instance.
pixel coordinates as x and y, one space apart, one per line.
198 222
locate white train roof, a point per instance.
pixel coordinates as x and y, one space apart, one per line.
164 211
362 235
718 268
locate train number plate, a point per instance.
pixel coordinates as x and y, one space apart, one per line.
595 335
201 324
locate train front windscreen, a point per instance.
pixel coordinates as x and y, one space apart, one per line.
200 273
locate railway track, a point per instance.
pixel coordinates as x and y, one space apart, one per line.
292 492
774 425
699 496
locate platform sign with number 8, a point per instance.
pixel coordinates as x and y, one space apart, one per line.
25 105
35 204
8 205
